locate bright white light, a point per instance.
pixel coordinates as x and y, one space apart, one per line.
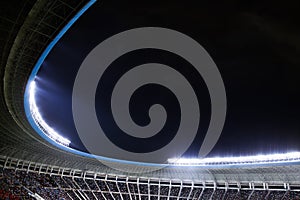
45 128
271 158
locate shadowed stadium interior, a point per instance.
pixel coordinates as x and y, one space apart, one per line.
32 168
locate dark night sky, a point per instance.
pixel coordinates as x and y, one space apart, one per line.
256 47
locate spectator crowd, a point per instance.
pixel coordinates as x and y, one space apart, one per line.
18 184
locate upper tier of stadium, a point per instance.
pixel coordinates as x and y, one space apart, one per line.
28 29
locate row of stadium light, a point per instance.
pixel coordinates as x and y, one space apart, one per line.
44 127
258 159
271 158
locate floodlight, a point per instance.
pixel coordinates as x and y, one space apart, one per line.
40 122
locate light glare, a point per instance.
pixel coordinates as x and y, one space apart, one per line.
44 127
271 158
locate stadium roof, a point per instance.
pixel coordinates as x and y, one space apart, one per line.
27 28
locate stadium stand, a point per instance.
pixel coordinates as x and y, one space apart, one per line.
52 182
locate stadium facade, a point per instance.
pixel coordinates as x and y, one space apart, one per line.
27 29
